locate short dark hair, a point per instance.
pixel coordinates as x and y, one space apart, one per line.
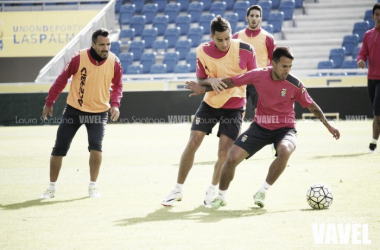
99 32
376 6
255 7
282 51
219 24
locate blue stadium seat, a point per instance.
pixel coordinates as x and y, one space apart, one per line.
206 4
233 20
229 4
172 10
266 7
172 35
191 59
116 47
276 19
195 34
126 13
195 11
298 4
337 56
275 4
182 68
126 35
147 60
350 64
205 21
135 69
139 5
360 28
241 27
288 8
349 43
138 23
171 60
329 64
368 18
183 22
149 36
126 59
218 8
160 22
241 9
268 28
118 4
183 47
355 53
184 4
253 2
161 4
137 48
160 46
158 69
149 11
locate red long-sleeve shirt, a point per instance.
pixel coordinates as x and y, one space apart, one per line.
371 50
72 67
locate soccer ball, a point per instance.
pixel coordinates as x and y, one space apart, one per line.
319 196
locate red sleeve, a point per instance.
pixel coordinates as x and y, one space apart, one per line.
236 35
248 59
117 84
363 52
246 78
60 83
303 97
270 47
200 70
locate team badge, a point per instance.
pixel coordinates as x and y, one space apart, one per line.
303 90
197 121
283 92
244 138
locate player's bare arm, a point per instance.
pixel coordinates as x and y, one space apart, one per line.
198 89
47 110
216 83
316 110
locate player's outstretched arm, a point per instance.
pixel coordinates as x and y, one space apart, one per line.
216 83
198 89
316 110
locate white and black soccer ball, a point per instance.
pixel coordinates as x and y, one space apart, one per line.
319 196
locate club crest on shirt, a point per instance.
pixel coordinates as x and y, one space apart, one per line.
303 90
283 92
244 138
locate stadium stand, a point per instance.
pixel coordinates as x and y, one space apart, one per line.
287 7
147 60
241 9
158 69
126 59
266 7
337 56
191 59
349 43
195 35
160 46
218 8
368 18
360 28
126 35
182 68
276 19
134 69
206 4
183 47
233 20
172 10
160 22
116 47
161 4
138 23
268 28
204 21
184 4
172 35
139 4
195 11
126 13
137 48
149 11
183 22
149 36
275 4
171 59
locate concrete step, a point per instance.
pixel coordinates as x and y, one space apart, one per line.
315 36
318 29
307 23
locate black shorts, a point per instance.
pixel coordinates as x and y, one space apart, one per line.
374 95
72 119
251 92
256 137
230 120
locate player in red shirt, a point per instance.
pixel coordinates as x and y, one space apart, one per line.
273 123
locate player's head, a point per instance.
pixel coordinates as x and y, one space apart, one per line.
254 17
376 14
221 33
282 62
101 42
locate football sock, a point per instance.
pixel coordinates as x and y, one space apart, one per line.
92 184
374 141
178 187
52 186
212 186
222 194
264 187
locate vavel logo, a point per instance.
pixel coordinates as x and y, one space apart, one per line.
342 231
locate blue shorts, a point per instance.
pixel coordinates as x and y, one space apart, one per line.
72 119
230 120
256 137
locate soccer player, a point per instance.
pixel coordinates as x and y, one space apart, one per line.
273 123
370 51
95 71
221 57
261 40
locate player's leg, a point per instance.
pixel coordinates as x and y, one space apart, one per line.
374 92
66 131
285 141
95 133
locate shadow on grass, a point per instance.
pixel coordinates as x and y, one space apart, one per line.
199 214
36 203
338 156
